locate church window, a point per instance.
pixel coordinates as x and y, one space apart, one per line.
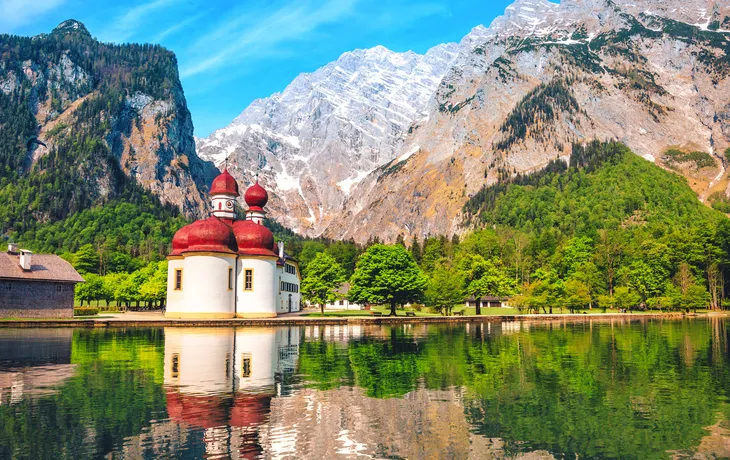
248 279
175 365
178 279
246 365
230 279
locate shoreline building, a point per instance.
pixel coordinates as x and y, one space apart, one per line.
343 303
222 267
36 286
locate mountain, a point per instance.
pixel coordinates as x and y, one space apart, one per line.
508 99
652 74
329 129
83 123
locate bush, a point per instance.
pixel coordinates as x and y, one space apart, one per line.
418 306
86 311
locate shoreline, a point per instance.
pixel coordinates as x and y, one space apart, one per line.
150 321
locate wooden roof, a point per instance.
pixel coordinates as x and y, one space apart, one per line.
44 267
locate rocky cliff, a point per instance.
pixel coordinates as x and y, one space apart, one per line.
652 74
86 122
328 130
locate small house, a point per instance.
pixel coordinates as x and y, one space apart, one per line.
488 302
36 285
343 303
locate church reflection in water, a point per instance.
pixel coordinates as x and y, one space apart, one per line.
222 381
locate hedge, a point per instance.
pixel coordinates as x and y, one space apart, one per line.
86 311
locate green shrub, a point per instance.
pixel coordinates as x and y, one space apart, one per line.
86 311
700 159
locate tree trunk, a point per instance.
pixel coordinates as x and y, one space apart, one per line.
479 306
321 308
392 308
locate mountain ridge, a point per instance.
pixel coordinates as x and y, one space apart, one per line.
581 69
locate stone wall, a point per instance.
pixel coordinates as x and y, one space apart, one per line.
36 299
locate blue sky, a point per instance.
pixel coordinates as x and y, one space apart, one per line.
232 52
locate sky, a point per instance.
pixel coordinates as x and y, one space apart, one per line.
232 52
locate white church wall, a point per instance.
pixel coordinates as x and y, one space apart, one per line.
261 300
199 360
175 297
206 288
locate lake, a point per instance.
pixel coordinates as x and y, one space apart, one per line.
598 389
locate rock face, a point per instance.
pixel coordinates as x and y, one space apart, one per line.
329 129
115 115
379 143
652 74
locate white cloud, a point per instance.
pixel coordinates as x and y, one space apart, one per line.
238 39
15 13
176 28
128 24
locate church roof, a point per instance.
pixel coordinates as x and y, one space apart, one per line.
256 197
44 267
210 235
224 184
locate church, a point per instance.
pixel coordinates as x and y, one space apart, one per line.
224 267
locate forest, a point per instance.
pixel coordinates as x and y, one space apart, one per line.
606 230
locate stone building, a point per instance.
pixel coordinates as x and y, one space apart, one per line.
36 286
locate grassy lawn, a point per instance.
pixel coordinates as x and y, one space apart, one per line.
382 309
472 312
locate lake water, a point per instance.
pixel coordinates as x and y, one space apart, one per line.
594 389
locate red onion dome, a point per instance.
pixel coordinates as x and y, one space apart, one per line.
211 235
256 197
224 184
180 240
253 239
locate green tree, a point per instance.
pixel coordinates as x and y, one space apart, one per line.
310 249
696 297
86 259
626 298
387 275
445 289
416 250
577 295
92 289
345 253
485 278
154 289
324 276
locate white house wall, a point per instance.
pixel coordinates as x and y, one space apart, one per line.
283 297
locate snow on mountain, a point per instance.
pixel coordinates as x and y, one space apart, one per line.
652 73
382 143
328 129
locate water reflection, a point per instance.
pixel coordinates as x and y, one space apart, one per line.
33 363
617 389
222 381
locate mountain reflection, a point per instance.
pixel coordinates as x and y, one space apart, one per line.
595 389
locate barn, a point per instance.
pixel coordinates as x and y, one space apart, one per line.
36 285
